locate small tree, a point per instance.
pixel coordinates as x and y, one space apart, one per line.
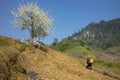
55 42
33 19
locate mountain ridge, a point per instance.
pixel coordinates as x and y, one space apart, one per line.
99 36
105 34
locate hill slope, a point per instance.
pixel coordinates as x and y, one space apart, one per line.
20 61
102 35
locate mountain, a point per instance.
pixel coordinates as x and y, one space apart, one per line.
102 35
99 36
21 61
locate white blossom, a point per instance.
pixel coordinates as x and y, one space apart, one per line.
34 19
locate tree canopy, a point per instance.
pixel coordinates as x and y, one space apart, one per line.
34 19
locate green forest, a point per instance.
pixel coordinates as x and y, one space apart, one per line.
99 36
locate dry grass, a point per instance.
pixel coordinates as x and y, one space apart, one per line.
20 62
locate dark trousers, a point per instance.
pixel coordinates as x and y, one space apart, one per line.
89 65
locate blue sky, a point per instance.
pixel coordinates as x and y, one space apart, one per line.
69 16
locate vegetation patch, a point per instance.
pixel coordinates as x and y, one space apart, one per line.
107 64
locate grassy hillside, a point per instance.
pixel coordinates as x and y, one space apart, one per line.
20 61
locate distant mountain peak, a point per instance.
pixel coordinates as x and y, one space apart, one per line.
103 34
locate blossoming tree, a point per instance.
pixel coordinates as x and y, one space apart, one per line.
32 18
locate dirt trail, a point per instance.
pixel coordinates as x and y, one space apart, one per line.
106 74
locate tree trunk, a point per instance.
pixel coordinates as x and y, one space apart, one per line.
32 34
32 29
